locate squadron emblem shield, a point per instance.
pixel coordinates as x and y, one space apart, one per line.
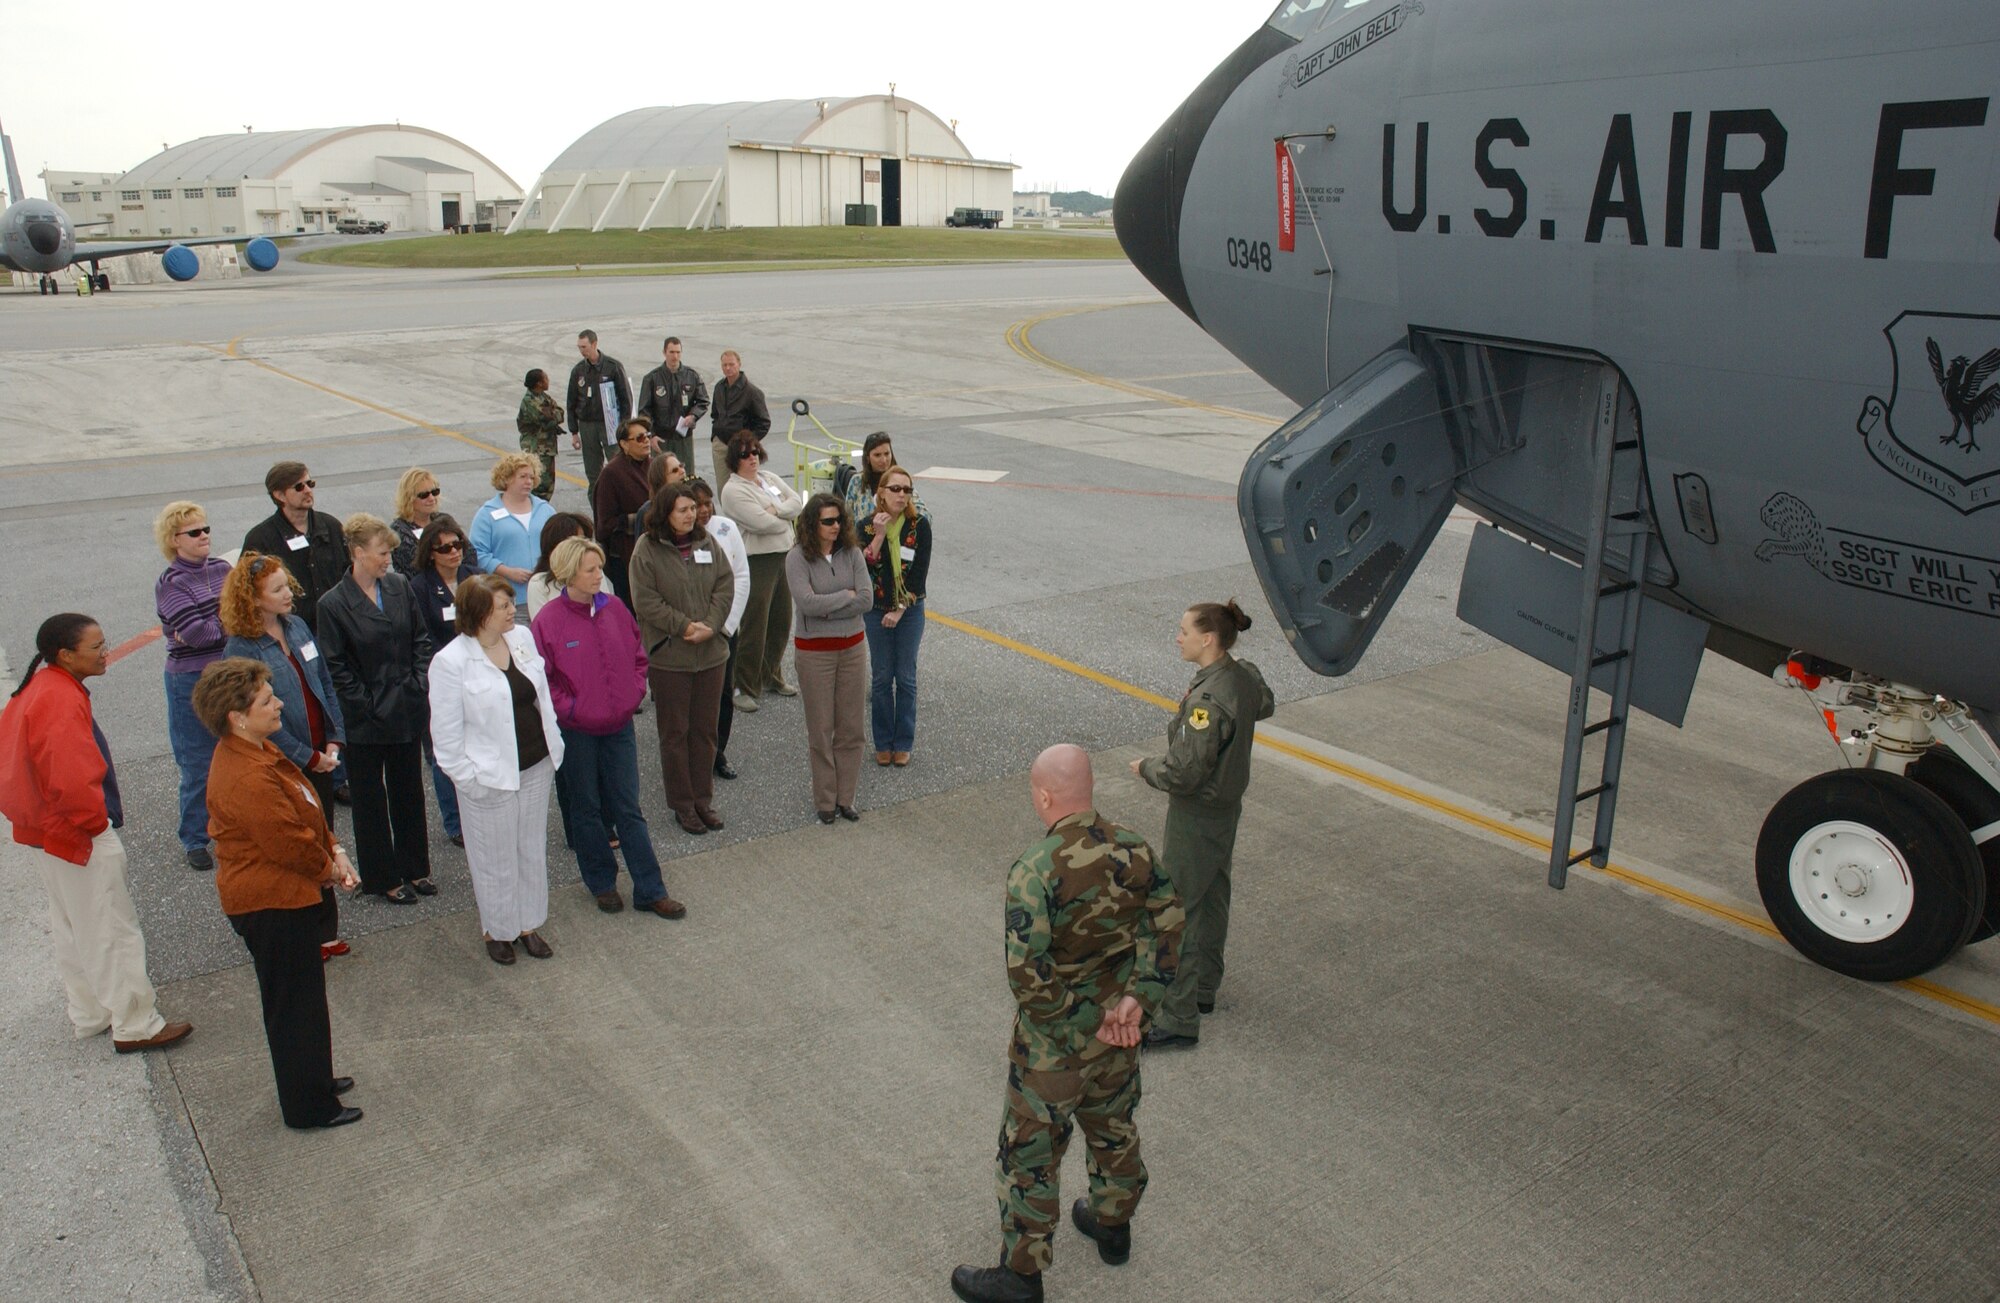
1936 429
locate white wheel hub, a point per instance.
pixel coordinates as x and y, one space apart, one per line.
1851 882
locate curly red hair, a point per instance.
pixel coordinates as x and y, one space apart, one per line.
240 616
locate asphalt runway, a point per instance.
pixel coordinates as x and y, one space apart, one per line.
1434 1078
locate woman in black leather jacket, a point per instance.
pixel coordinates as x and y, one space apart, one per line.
378 652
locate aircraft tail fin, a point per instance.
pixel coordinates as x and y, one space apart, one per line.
14 192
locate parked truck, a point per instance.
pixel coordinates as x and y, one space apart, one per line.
985 217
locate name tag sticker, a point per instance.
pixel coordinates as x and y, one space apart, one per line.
703 556
309 652
450 612
308 794
909 553
498 513
298 542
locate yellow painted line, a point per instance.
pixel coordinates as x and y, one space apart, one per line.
1729 913
1018 339
234 351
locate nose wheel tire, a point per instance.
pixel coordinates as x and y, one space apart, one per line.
1870 874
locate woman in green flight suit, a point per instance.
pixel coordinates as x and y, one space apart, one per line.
1204 772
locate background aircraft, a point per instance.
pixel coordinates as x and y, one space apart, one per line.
38 237
1700 304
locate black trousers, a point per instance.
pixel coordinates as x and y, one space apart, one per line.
291 979
390 841
617 573
725 715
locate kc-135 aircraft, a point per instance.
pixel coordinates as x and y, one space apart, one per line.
38 237
1698 304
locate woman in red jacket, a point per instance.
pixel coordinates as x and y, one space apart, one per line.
58 789
273 860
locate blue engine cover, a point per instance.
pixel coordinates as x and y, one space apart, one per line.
181 263
261 254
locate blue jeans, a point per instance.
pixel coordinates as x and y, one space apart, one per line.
447 795
892 678
194 747
600 774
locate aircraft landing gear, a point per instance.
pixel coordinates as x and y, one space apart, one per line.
101 281
46 285
1883 870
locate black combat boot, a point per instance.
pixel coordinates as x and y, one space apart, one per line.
999 1284
1114 1243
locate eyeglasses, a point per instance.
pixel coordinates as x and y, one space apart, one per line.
449 547
199 531
829 520
895 488
430 493
750 456
305 484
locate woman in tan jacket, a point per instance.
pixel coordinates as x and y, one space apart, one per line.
273 858
682 587
765 507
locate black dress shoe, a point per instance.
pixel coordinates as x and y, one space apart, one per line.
200 860
348 1115
424 887
341 1085
848 813
995 1285
1114 1243
1159 1039
343 795
400 894
723 769
826 816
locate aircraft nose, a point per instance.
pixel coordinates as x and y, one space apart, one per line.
1146 211
44 237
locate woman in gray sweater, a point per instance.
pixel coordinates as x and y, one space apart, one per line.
828 578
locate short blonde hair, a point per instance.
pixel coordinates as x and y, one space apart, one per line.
513 464
567 559
413 479
173 518
362 529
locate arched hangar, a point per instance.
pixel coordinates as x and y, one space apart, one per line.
399 177
765 163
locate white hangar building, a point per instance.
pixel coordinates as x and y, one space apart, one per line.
271 182
769 163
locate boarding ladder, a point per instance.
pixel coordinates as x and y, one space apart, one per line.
1619 508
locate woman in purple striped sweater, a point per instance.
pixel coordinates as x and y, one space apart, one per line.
189 597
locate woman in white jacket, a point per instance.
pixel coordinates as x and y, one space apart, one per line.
764 506
493 729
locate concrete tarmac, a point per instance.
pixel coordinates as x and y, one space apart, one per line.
1429 1076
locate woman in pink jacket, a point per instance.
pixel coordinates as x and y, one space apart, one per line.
597 677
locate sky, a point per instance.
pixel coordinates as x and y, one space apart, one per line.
1069 91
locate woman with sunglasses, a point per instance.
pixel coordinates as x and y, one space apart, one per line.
828 578
442 564
417 500
188 596
764 506
257 613
896 540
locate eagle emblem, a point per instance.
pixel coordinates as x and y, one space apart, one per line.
1930 443
1198 718
1963 398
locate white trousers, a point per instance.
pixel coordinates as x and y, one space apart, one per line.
506 847
100 951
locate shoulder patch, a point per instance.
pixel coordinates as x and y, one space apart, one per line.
1198 718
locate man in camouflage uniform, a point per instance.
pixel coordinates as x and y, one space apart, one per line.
540 422
1093 929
